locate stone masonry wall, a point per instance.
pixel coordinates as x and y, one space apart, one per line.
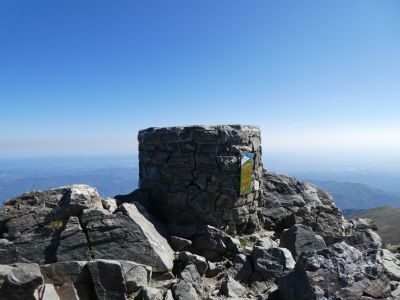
191 175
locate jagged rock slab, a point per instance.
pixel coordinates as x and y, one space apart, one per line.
38 208
127 235
72 279
184 291
151 293
241 269
271 263
108 280
231 288
360 224
74 276
19 281
190 274
63 272
338 272
73 244
200 262
391 264
364 240
189 285
299 239
286 201
214 269
214 244
136 275
178 243
32 225
69 223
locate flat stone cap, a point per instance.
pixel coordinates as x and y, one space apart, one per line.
216 134
198 133
238 127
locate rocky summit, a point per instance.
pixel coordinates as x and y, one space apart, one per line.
285 239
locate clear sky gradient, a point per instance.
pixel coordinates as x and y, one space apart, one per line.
321 78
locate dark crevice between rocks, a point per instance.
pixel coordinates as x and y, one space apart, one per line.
89 244
50 253
315 226
193 172
3 229
84 285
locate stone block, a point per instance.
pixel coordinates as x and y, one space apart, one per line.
205 136
183 160
228 163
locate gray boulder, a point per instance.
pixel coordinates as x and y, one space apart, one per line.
191 275
178 243
8 252
69 223
73 244
20 281
32 224
391 265
80 197
271 263
151 293
299 239
364 240
135 275
29 211
199 261
63 272
184 291
190 284
286 201
107 279
72 279
361 224
127 235
241 269
231 288
338 272
265 290
214 244
266 242
214 269
75 279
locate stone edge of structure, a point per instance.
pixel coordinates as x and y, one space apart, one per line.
194 127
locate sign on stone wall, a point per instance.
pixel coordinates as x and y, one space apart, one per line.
246 171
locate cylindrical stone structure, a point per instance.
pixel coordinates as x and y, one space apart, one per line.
202 174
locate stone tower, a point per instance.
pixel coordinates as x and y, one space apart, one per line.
202 174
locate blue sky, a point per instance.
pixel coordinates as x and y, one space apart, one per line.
321 78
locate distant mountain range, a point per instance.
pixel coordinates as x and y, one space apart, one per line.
123 178
350 196
384 180
109 182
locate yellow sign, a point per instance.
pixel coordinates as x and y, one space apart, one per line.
246 173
